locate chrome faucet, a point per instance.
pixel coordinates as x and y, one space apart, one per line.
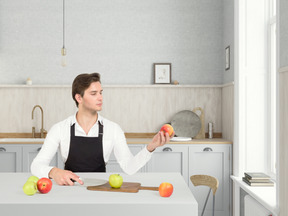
42 130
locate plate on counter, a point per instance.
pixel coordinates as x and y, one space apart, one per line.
186 124
180 139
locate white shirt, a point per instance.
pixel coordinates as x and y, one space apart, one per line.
113 139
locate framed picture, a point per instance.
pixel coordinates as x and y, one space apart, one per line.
162 73
227 58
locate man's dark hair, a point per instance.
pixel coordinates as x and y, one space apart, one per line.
82 82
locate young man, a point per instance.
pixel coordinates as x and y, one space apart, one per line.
86 139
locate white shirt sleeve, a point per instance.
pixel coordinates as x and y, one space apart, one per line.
129 163
40 166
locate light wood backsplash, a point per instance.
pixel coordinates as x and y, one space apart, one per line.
228 112
137 109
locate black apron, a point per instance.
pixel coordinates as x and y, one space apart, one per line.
86 153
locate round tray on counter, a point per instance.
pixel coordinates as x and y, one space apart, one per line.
186 124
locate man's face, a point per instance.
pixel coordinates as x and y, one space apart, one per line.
92 99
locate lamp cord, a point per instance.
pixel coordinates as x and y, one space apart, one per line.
63 23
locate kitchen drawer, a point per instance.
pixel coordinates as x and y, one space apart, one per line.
31 151
18 158
114 167
170 158
10 158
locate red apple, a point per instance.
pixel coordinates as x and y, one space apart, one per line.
167 128
165 189
44 185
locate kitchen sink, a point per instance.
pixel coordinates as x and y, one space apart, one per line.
20 140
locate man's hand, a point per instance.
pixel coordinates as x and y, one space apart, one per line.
64 177
159 140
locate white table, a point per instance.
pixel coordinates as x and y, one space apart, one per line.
77 200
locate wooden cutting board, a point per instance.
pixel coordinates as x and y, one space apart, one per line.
130 187
201 134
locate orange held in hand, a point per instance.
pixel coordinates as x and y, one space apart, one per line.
167 128
165 189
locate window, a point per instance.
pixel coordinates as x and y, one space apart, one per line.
255 87
271 167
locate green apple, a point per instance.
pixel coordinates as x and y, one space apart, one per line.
33 179
30 188
115 180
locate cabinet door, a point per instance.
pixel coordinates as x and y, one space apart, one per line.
170 158
113 166
10 158
213 160
30 152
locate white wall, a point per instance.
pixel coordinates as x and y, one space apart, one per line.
120 39
283 33
228 38
283 140
283 107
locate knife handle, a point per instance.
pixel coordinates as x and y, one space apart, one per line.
149 188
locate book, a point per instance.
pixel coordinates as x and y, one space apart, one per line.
257 180
260 184
256 175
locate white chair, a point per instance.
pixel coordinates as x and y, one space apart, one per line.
206 180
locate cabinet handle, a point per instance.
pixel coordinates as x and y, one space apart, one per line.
38 149
207 149
167 149
2 149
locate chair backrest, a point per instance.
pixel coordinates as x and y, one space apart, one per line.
206 180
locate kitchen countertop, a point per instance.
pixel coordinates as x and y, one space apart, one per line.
77 200
193 141
129 141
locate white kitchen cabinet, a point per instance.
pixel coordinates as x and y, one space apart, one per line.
31 151
170 158
10 158
18 157
113 166
213 160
